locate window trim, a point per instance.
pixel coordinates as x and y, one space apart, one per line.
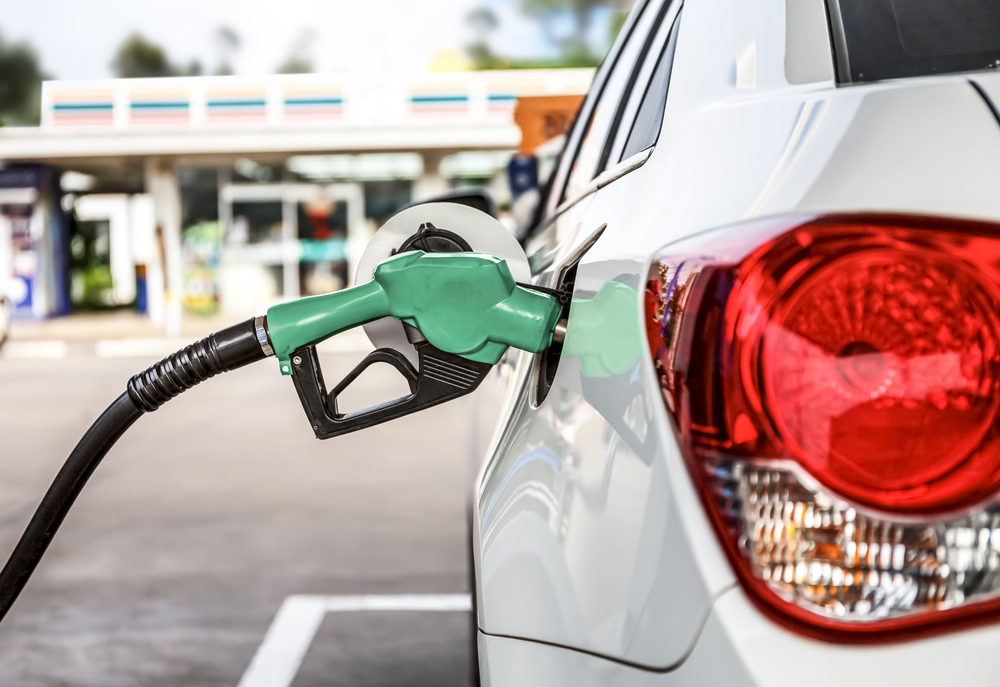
899 62
659 42
638 81
606 177
561 175
838 41
621 169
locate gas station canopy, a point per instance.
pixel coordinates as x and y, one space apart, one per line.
283 114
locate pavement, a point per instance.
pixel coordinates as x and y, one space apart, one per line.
117 324
221 508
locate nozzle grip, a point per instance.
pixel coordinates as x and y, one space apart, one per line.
310 320
442 377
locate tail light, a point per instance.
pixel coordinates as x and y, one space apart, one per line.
835 385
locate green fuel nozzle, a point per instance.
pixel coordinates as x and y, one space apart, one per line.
466 305
463 303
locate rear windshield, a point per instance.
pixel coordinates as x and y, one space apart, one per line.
892 39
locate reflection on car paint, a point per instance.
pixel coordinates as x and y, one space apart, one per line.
570 538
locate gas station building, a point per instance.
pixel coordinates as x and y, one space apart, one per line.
233 193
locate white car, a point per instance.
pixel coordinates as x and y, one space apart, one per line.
767 452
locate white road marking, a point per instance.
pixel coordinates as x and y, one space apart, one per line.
353 342
348 342
34 350
292 631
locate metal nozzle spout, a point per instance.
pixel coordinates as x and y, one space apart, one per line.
559 333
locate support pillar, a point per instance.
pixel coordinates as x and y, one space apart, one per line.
289 249
431 183
6 262
148 251
357 229
161 184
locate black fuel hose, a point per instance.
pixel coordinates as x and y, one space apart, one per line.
223 351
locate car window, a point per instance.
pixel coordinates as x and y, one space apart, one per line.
891 39
585 161
649 119
588 153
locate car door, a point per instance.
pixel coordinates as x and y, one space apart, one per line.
576 545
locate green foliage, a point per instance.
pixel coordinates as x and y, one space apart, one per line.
483 57
138 58
483 21
202 232
227 44
296 64
574 49
97 286
20 84
299 60
618 18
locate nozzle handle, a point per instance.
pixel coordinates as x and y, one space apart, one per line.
442 377
314 319
463 303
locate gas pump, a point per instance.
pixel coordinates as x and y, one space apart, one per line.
442 290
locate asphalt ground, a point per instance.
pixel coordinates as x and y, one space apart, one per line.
213 510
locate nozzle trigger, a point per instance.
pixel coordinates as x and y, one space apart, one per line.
441 377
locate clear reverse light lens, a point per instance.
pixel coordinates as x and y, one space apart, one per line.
829 558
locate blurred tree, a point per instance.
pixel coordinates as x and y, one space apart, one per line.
299 60
567 25
20 84
618 17
295 64
574 46
139 58
227 44
483 22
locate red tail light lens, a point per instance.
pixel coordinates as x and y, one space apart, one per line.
836 388
875 354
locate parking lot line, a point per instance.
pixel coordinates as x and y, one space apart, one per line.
291 632
34 350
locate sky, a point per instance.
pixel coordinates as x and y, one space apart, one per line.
76 39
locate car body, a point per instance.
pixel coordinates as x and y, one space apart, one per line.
598 558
